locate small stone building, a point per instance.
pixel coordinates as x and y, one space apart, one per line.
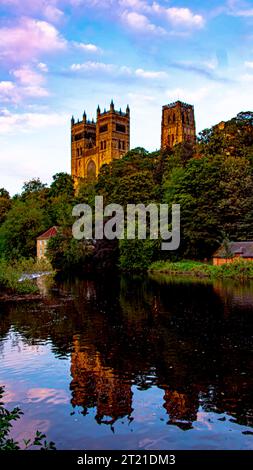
42 241
232 251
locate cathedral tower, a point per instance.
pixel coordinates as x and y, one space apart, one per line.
178 124
95 143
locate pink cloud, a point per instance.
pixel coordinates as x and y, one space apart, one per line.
28 84
29 39
46 8
26 76
50 395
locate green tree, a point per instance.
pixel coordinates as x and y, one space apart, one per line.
215 194
67 254
5 204
62 184
25 221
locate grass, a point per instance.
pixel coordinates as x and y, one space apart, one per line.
239 269
11 272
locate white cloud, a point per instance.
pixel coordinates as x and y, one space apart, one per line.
247 77
140 23
249 65
189 96
53 14
25 122
147 74
42 67
7 91
118 71
239 8
92 67
87 47
180 17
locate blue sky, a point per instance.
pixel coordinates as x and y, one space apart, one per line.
60 57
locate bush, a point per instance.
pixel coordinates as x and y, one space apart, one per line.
239 269
6 442
11 273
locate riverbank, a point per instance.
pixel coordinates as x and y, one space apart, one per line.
240 269
18 278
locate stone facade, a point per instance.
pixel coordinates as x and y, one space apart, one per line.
178 124
95 143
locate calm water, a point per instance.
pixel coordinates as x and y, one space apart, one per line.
132 363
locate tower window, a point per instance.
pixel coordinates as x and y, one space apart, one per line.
120 128
103 128
119 144
123 145
174 117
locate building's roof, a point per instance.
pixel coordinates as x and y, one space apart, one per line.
51 232
244 249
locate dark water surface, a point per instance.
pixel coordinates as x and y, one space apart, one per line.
132 363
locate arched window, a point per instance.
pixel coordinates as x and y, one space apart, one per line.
91 170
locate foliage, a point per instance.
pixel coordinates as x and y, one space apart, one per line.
137 255
32 186
5 204
11 273
233 138
67 254
25 221
215 194
238 269
62 184
8 443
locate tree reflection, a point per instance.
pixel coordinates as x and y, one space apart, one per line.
192 340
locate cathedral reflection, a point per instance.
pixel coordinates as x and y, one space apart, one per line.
192 341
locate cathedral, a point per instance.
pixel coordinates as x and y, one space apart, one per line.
178 124
95 143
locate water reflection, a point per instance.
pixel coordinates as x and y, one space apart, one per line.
192 341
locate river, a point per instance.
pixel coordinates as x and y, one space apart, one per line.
132 363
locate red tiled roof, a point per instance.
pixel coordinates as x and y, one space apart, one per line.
51 232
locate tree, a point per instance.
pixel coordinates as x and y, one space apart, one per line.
215 195
62 184
25 221
5 204
67 254
32 187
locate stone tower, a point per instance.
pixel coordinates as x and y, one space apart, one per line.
95 143
178 124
